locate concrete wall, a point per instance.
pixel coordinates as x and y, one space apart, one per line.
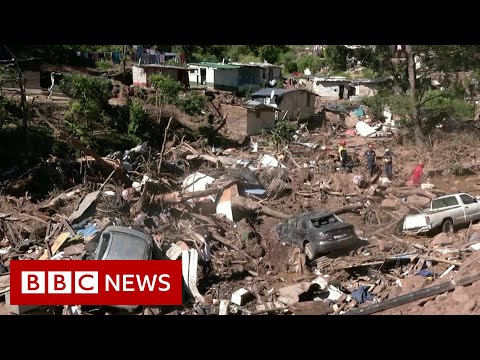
260 120
194 75
236 119
245 121
195 79
366 90
226 79
330 89
250 77
297 103
139 76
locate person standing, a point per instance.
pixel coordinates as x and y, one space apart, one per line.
388 163
206 257
371 157
417 175
342 153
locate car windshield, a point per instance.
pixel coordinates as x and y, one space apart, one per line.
127 248
317 222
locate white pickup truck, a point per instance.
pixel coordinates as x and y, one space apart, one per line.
444 212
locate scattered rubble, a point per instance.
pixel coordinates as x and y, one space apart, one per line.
189 194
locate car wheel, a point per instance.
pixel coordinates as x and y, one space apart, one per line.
447 226
309 252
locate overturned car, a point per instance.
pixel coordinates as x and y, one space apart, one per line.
316 233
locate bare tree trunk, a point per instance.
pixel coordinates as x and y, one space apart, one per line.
412 78
124 60
23 100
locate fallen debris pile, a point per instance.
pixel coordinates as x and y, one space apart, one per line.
214 209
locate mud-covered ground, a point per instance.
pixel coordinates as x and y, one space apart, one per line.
244 253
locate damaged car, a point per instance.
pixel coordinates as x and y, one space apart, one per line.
316 233
122 243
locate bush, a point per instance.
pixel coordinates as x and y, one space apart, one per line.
138 118
193 104
90 96
103 65
281 134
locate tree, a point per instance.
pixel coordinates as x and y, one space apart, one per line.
23 99
336 57
90 97
311 62
411 92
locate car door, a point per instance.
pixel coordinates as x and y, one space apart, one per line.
300 232
450 207
472 207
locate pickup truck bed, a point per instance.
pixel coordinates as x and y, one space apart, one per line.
444 213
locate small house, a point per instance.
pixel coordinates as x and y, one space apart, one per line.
331 88
235 77
294 102
250 118
141 73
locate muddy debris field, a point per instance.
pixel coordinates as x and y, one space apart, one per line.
188 194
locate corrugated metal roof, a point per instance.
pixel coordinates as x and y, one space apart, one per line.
215 65
266 92
252 104
162 66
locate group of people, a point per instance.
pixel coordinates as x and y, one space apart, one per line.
387 159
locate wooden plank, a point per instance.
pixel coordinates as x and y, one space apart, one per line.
84 205
56 245
67 226
312 308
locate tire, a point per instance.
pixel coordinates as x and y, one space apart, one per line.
447 226
309 253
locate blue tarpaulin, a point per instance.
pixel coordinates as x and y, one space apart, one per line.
359 112
89 230
425 272
361 295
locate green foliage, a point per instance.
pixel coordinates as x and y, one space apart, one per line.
342 73
138 118
289 62
281 134
193 103
169 92
313 62
167 88
103 65
368 73
336 57
90 97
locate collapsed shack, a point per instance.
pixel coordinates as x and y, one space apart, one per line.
186 194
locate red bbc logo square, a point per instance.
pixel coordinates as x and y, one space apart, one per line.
96 282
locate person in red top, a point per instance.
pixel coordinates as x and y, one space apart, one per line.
417 174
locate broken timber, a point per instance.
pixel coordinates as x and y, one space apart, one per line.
414 296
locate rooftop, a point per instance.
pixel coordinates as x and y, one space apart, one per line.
267 92
233 65
215 65
252 104
161 66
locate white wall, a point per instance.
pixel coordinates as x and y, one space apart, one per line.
139 76
210 76
330 89
194 75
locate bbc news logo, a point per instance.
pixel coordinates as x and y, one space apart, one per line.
96 282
